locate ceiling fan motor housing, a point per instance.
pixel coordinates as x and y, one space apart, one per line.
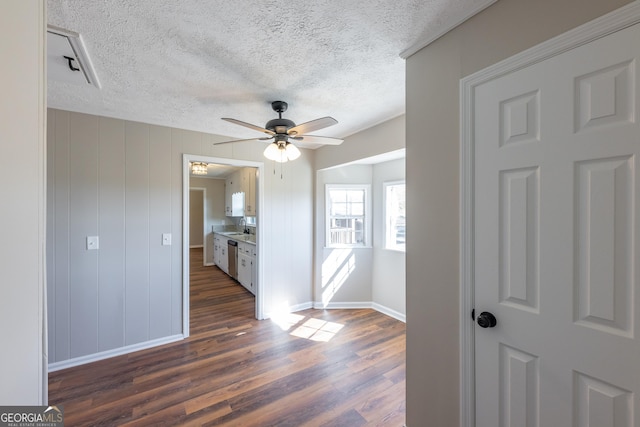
279 125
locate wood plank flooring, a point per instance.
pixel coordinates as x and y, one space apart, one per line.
312 368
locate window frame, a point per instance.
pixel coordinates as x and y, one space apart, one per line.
366 217
386 231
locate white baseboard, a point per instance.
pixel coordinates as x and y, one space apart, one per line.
209 264
390 312
344 305
76 361
362 304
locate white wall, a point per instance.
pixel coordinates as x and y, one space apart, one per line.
378 275
432 120
122 181
214 209
342 275
22 216
389 277
196 217
383 138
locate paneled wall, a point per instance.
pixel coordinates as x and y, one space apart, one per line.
122 181
112 179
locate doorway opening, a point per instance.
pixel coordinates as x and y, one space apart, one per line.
197 215
259 219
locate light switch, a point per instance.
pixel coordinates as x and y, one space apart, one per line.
166 239
92 243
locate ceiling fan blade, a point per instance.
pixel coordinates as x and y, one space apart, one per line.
313 142
242 140
313 125
249 125
323 140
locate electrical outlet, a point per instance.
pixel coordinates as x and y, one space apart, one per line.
166 239
92 243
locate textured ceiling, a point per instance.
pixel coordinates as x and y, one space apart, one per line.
187 63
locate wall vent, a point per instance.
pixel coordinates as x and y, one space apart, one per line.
67 58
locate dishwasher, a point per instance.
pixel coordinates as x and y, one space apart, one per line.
232 247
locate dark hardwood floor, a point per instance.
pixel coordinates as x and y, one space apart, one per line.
312 368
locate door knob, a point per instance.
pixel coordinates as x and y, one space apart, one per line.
487 320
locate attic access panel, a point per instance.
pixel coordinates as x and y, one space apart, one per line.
67 58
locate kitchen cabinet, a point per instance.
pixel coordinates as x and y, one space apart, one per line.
246 261
254 272
249 188
240 193
224 258
234 195
244 271
246 266
220 254
217 249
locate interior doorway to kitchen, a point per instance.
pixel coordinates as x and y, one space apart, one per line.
221 164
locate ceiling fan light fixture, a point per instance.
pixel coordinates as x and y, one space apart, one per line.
281 152
292 151
275 153
199 168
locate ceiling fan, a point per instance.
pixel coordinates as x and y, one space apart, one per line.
285 134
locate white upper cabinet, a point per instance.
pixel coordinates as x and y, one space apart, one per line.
249 188
234 197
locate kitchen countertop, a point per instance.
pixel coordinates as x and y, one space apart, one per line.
240 237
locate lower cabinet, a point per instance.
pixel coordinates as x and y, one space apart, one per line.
216 249
246 261
224 258
244 271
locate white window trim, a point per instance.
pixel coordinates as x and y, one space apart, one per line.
385 229
368 216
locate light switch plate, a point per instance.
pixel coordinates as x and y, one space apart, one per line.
92 243
166 239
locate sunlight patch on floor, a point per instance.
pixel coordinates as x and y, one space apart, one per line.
317 330
286 321
307 327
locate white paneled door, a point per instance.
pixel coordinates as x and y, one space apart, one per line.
556 186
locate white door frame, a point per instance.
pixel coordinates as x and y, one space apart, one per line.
617 20
260 219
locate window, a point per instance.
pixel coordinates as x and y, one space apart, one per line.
347 215
395 212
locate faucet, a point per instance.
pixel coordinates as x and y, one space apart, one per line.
243 222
